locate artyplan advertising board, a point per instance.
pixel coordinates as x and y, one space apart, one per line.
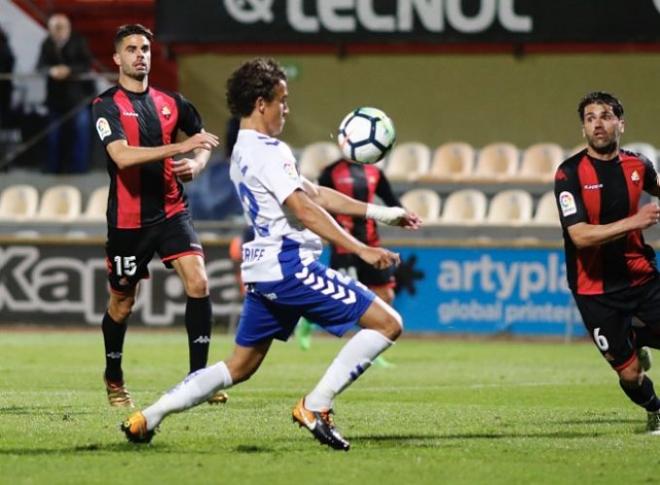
486 291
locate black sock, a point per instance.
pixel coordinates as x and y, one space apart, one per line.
113 337
642 395
198 326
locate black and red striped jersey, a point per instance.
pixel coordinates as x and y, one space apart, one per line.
149 193
361 182
601 192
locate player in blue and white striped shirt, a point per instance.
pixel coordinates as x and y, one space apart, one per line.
283 278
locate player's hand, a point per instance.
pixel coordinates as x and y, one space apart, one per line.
185 169
648 215
379 258
410 221
203 140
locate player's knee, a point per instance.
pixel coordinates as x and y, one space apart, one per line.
197 286
393 325
631 375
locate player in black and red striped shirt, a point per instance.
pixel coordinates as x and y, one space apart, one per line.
142 129
611 271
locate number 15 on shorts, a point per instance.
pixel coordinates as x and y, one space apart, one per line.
125 265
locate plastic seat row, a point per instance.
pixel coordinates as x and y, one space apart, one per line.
469 207
60 203
459 162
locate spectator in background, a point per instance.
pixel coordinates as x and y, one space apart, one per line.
66 60
6 67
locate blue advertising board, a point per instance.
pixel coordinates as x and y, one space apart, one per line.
485 290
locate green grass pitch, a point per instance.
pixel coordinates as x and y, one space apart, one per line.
449 412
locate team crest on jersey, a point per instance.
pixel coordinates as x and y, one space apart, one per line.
290 169
567 204
166 112
635 177
103 128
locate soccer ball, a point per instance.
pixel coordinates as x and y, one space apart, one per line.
366 135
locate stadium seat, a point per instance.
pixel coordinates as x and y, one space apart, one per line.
60 203
539 163
408 161
497 162
451 162
316 156
510 208
645 149
18 203
96 205
423 202
546 213
464 208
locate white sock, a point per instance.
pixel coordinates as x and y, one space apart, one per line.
195 388
353 359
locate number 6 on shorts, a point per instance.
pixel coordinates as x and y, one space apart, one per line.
600 340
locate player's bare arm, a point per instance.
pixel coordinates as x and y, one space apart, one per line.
317 220
126 156
337 203
585 235
187 169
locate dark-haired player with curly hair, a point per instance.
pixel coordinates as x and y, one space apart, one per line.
611 271
280 268
143 128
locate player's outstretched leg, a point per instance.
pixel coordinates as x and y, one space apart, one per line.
195 389
381 326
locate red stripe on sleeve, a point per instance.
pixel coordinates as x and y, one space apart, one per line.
128 180
168 114
589 260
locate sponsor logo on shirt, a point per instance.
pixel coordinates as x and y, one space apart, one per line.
130 113
635 177
166 112
103 128
593 186
567 203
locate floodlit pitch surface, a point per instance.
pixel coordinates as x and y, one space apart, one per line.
449 412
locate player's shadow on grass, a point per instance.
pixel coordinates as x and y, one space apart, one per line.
596 421
122 447
41 411
422 440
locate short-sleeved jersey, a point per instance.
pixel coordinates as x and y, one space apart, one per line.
364 183
149 193
263 170
601 192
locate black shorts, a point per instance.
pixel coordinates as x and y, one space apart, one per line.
357 269
609 319
129 251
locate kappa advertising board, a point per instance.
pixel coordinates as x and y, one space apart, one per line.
423 21
67 284
487 291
